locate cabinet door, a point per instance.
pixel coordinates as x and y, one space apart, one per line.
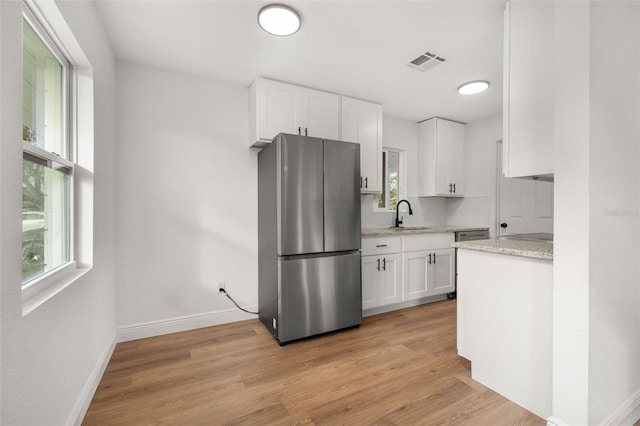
528 99
427 163
381 280
371 279
278 109
441 272
416 270
392 279
320 114
453 136
362 123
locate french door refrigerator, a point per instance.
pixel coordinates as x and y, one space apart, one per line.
309 236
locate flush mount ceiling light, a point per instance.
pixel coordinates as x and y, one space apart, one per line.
473 87
278 19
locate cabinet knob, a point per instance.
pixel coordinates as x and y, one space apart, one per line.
503 225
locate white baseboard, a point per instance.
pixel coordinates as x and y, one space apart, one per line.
553 421
174 325
627 414
91 384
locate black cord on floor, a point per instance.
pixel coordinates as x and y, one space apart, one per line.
222 290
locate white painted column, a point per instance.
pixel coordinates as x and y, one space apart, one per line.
570 401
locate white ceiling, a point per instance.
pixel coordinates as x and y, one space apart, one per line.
354 48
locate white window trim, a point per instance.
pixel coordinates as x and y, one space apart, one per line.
402 180
80 136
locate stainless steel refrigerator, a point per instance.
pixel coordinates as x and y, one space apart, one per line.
309 236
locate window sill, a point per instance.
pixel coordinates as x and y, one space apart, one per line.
43 289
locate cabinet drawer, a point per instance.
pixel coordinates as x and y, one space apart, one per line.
381 245
427 241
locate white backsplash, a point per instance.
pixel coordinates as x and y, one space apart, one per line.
426 212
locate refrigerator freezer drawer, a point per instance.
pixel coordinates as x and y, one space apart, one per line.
319 294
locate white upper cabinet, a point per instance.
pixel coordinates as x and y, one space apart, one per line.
275 108
320 114
528 104
362 123
441 152
278 107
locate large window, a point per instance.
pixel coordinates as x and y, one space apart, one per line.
48 167
391 179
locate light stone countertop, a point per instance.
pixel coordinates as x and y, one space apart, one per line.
408 230
524 248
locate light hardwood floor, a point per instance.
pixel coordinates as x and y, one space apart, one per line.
397 368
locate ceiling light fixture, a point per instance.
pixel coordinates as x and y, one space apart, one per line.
473 87
278 19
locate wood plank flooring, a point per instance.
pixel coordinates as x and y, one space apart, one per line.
397 368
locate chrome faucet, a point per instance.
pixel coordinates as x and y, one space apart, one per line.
399 219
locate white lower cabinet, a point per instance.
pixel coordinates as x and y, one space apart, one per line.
428 273
406 268
381 280
442 273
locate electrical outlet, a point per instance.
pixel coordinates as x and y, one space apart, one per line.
221 286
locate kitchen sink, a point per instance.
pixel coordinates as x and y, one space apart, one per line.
410 228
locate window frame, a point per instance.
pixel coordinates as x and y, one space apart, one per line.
42 287
385 176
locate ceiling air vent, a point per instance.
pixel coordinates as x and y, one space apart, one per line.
426 61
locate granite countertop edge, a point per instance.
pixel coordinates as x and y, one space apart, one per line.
532 249
377 232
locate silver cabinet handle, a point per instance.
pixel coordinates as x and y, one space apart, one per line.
381 245
454 188
378 264
450 186
384 264
366 182
429 258
434 258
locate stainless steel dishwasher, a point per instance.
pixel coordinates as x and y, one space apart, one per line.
467 236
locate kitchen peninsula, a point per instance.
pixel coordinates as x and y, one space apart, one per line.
505 317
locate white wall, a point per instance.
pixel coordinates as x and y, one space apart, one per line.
187 201
614 314
403 135
478 207
596 347
51 356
